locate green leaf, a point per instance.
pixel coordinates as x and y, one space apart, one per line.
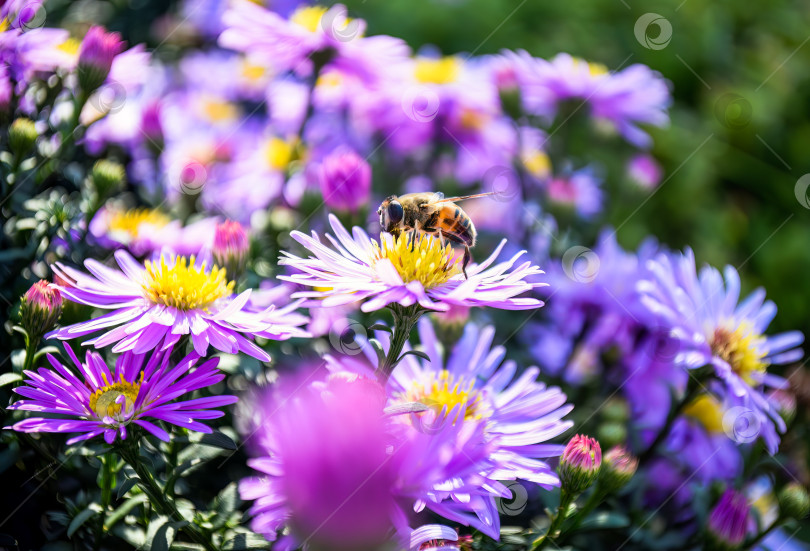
227 501
92 510
419 353
381 327
183 546
242 542
9 378
193 457
375 344
128 484
124 510
161 533
218 440
47 350
605 520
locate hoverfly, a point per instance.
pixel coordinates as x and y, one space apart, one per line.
431 213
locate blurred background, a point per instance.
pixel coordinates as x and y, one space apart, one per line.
736 147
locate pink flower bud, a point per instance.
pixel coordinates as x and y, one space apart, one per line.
96 55
728 521
40 308
231 245
580 463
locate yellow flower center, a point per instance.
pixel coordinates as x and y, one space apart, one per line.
279 153
308 17
185 286
437 71
70 46
741 348
217 110
444 391
424 260
332 79
706 410
471 119
252 71
4 25
104 401
130 221
595 69
538 164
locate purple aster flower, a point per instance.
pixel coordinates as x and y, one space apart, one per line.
101 401
519 414
713 329
310 32
645 171
359 268
96 55
729 520
635 95
155 304
345 180
335 469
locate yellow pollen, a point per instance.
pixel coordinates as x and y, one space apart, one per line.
308 17
279 154
217 110
251 71
741 348
185 286
595 69
706 410
443 391
425 261
472 120
4 25
538 164
130 221
103 401
69 46
332 79
437 71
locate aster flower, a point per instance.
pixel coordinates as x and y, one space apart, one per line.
96 55
713 329
156 303
345 180
394 272
519 416
729 520
629 97
103 401
579 191
580 463
335 469
310 32
40 308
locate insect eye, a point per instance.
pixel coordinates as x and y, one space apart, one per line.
395 212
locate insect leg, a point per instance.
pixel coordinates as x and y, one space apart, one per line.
467 257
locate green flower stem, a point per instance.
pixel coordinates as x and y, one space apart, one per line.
759 537
692 389
107 478
596 497
405 317
31 345
566 499
157 495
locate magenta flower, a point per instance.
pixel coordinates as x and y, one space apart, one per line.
231 246
345 180
357 268
580 463
340 473
728 521
155 304
100 401
40 308
96 55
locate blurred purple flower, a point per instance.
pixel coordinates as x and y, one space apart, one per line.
345 180
645 171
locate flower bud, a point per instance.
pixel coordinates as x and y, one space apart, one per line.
618 467
345 180
40 309
152 128
107 176
794 501
22 135
728 521
96 55
231 246
580 463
